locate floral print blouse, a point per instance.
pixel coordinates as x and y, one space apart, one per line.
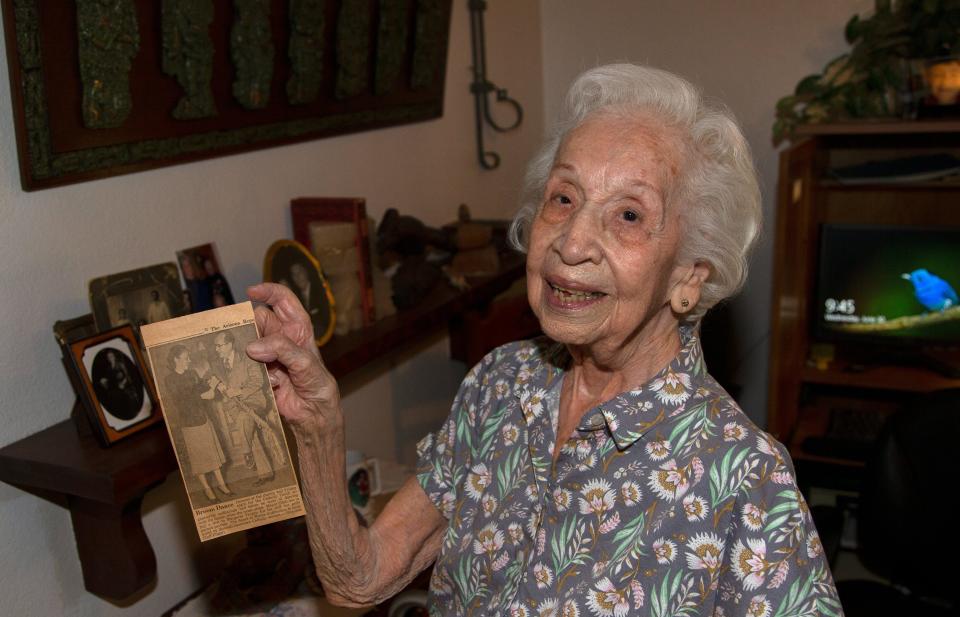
666 500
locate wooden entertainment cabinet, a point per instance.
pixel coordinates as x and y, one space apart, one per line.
802 394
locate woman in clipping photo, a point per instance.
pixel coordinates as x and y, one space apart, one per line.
204 453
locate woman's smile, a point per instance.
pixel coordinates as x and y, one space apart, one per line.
570 295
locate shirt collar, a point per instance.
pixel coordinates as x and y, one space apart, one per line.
630 414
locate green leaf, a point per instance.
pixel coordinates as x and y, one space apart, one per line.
508 473
798 593
464 432
786 105
739 458
809 85
469 579
683 424
788 505
567 545
827 606
680 442
775 522
853 29
660 597
629 540
721 486
491 427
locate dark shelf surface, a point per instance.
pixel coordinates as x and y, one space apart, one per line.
880 377
61 460
952 184
347 353
893 126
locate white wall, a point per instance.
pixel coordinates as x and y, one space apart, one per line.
748 54
52 242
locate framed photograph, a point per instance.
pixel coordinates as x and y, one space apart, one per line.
222 420
137 297
207 288
112 383
290 263
320 223
934 87
67 331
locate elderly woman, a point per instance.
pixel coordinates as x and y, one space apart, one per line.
599 470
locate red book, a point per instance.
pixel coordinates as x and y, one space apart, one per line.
306 210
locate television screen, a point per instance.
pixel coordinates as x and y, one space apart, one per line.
888 284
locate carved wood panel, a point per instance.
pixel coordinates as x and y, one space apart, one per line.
106 87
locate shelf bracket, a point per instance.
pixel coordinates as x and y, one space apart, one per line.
116 557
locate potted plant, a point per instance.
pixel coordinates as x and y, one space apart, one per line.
870 81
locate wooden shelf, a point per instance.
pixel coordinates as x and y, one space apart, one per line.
104 487
880 377
345 354
894 126
942 185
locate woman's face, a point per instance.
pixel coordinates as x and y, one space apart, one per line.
182 362
186 265
601 259
299 275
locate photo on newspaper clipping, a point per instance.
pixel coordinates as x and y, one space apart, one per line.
222 420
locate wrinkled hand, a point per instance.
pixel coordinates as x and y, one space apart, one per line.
307 394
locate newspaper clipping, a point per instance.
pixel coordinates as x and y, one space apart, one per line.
222 420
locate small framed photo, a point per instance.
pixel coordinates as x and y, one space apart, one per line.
336 231
207 288
292 265
109 372
934 87
137 297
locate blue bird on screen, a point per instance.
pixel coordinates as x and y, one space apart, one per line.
932 291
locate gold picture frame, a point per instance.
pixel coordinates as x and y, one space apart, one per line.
290 264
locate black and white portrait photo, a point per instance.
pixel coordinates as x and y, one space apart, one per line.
221 416
117 387
291 264
117 383
137 297
222 420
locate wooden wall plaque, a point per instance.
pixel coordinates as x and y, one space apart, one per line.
102 88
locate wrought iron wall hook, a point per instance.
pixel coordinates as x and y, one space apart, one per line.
482 87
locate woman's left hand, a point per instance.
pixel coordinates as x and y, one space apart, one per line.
307 394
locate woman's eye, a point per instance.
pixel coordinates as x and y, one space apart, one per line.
630 216
563 199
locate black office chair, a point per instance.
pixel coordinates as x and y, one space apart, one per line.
908 531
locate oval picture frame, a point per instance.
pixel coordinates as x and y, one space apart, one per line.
279 267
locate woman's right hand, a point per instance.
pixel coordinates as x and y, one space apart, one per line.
307 394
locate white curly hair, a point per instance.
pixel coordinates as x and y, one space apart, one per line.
718 188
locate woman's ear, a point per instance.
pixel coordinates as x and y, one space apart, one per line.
686 293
